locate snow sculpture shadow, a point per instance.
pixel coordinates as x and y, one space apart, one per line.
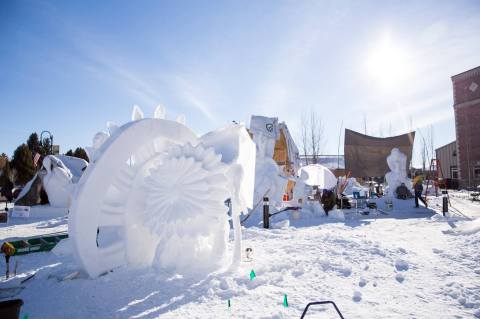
154 195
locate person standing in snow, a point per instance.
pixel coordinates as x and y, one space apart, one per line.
328 200
418 187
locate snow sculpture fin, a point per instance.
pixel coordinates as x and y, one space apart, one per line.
112 127
99 139
159 112
137 113
90 153
181 119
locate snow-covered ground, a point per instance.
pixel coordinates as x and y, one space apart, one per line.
408 264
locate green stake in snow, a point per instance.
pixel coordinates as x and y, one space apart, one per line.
252 275
229 304
285 301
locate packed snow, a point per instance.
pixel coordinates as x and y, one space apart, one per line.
408 264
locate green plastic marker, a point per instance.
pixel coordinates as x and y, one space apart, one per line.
285 301
252 275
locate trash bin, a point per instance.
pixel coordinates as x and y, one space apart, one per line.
10 309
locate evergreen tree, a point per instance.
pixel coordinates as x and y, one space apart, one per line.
6 173
80 153
3 160
22 162
34 144
6 184
46 147
69 153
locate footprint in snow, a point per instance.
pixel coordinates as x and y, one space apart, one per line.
400 278
401 265
362 282
357 296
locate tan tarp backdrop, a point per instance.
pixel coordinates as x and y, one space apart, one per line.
366 156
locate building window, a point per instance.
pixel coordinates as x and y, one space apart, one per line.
476 171
454 172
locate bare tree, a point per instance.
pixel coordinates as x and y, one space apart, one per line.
365 123
338 149
313 137
424 153
427 148
380 130
431 142
304 133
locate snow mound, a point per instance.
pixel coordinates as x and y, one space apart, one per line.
468 228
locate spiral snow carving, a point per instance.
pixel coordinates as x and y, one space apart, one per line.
154 196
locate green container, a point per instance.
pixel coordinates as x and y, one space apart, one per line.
37 244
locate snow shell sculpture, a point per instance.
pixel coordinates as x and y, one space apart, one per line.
154 195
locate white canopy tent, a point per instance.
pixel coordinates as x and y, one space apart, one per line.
318 175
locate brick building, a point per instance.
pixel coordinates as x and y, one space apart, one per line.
466 97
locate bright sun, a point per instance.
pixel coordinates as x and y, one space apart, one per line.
388 63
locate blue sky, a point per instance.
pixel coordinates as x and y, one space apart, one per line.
70 67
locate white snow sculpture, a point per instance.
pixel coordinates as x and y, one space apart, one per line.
185 194
265 132
238 152
299 190
57 182
155 194
75 165
397 162
58 175
351 185
267 173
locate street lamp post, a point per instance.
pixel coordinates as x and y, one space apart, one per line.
50 137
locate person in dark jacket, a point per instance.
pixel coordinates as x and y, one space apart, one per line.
328 200
418 187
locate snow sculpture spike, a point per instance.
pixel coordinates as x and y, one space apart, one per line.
137 113
155 185
159 112
112 127
182 119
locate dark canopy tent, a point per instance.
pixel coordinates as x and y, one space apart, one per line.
366 156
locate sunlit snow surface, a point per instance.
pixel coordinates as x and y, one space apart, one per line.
402 265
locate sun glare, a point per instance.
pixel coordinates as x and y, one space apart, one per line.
388 63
